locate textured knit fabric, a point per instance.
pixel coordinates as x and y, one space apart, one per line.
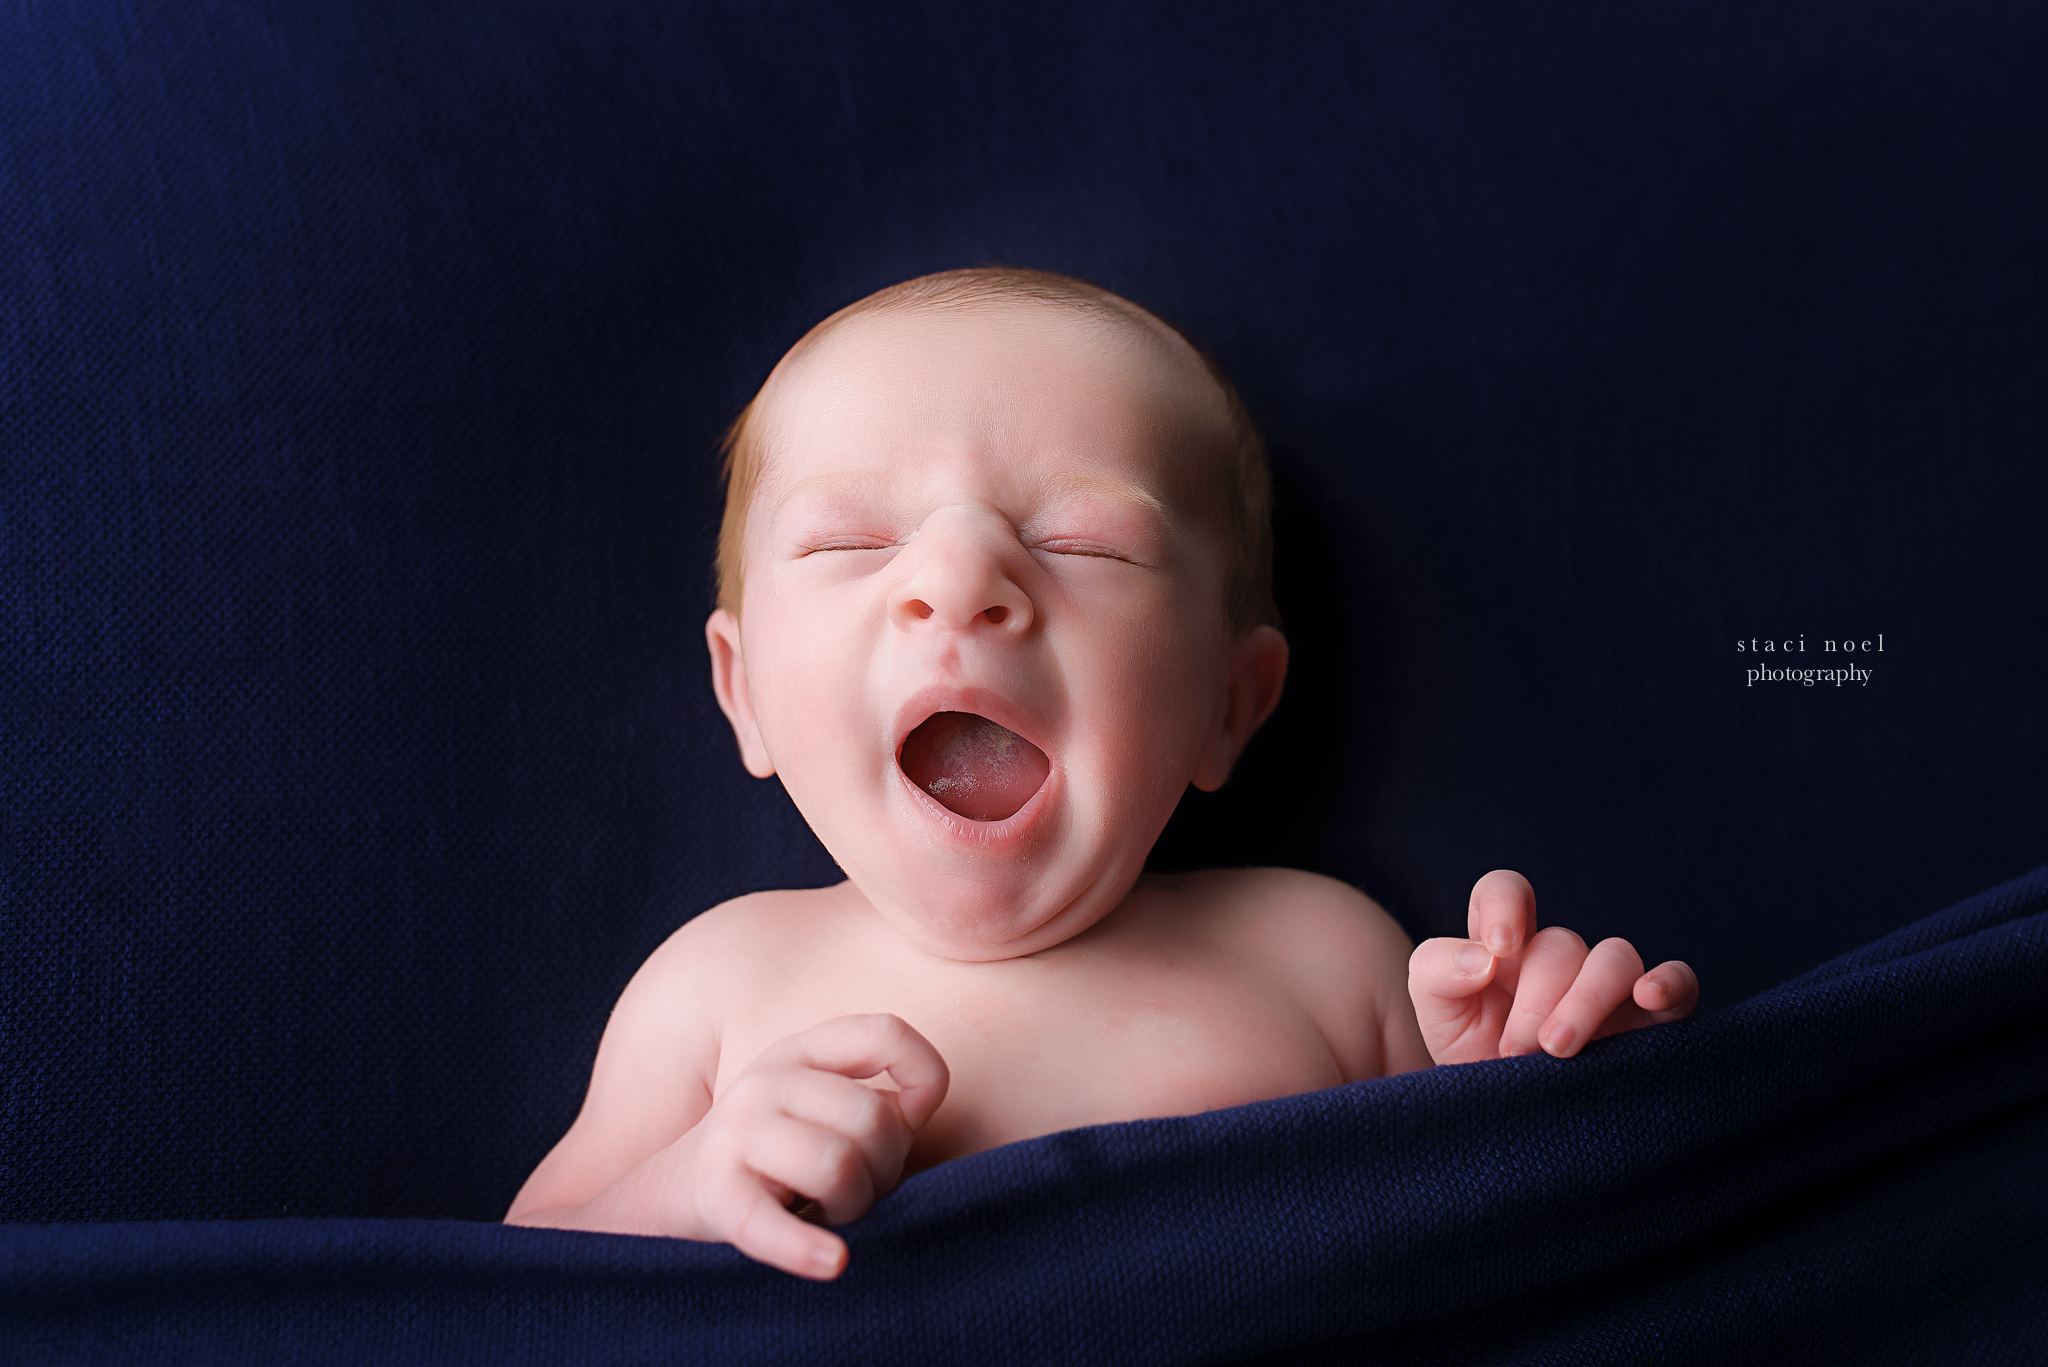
1846 1169
361 371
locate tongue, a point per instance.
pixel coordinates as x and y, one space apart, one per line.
973 767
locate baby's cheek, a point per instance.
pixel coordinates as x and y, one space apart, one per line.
1154 740
810 714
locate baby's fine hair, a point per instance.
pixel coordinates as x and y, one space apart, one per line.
1237 492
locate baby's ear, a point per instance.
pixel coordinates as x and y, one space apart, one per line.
1258 670
729 682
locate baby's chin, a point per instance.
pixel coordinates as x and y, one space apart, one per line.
1004 912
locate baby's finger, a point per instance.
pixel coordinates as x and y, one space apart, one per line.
755 1222
870 1117
1668 992
1671 984
1448 969
1502 913
812 1161
1549 967
1447 981
862 1046
1605 980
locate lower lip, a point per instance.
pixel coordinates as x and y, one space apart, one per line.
1011 830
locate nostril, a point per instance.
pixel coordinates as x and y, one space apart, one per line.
918 608
997 615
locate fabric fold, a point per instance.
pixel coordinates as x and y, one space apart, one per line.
1844 1168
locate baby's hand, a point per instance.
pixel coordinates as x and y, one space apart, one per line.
794 1124
1511 989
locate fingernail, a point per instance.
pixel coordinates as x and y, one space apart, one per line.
1473 959
1561 1040
1500 940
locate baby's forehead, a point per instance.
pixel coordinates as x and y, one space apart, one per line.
915 368
1017 332
1044 487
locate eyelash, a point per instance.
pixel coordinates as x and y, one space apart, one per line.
1055 547
854 544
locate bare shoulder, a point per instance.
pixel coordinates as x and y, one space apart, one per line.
653 1076
719 966
1328 946
1292 912
723 945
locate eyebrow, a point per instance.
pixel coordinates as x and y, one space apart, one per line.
857 483
1056 486
864 483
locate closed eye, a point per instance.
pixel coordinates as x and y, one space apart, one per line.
1073 546
847 543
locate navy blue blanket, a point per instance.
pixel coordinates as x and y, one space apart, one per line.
1846 1168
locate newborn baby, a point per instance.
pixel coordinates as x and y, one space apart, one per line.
994 587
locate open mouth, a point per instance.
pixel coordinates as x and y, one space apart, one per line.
973 767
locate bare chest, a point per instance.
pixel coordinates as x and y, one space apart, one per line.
1063 1040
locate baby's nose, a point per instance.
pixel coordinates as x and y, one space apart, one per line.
959 577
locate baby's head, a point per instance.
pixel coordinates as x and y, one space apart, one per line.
994 588
1229 484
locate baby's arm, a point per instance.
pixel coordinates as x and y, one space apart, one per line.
653 1153
1512 989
